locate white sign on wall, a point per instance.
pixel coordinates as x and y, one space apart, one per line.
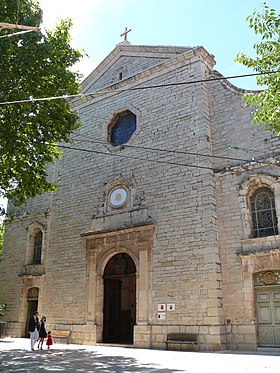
161 315
170 306
161 307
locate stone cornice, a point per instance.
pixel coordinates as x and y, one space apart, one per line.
113 232
231 87
166 52
196 54
268 160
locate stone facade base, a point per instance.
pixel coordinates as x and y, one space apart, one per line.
80 334
211 338
242 337
142 336
13 329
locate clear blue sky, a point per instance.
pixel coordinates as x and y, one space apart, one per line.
218 25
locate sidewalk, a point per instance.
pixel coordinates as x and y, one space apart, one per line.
15 356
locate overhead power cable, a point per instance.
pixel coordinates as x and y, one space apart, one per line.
180 152
226 168
95 141
133 157
111 90
11 26
15 33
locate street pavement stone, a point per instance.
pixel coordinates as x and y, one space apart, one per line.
16 356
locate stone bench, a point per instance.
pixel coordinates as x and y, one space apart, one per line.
182 338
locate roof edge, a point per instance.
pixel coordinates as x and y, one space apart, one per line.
133 51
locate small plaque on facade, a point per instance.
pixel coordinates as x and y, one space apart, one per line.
161 315
170 306
161 307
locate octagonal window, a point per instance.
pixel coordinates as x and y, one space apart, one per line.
122 128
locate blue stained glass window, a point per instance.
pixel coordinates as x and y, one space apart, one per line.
123 128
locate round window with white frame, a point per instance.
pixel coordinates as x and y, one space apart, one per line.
118 197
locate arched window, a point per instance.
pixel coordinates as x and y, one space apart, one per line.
123 128
264 220
38 239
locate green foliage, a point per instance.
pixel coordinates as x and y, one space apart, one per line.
3 306
2 228
267 102
33 65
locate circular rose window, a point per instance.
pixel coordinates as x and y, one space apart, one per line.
118 197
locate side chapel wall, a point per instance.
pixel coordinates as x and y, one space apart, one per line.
235 136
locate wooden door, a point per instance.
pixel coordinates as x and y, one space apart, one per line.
119 308
128 309
32 307
268 316
112 310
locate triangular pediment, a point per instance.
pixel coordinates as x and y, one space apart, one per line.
125 61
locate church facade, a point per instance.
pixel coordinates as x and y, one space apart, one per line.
166 217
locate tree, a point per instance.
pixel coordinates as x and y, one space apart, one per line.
33 65
2 228
267 60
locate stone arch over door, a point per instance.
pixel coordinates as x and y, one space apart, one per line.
137 243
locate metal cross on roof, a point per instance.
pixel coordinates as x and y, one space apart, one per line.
126 31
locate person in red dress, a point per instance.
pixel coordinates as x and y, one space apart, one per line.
49 341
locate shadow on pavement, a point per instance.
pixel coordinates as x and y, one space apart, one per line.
72 361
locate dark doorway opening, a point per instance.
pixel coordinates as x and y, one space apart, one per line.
32 300
119 312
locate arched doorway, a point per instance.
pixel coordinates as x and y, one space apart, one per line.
119 310
32 299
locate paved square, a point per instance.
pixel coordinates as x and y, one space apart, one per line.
15 356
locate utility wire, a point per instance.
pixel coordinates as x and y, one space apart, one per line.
124 146
245 149
132 157
15 33
95 141
226 168
253 158
111 90
234 147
